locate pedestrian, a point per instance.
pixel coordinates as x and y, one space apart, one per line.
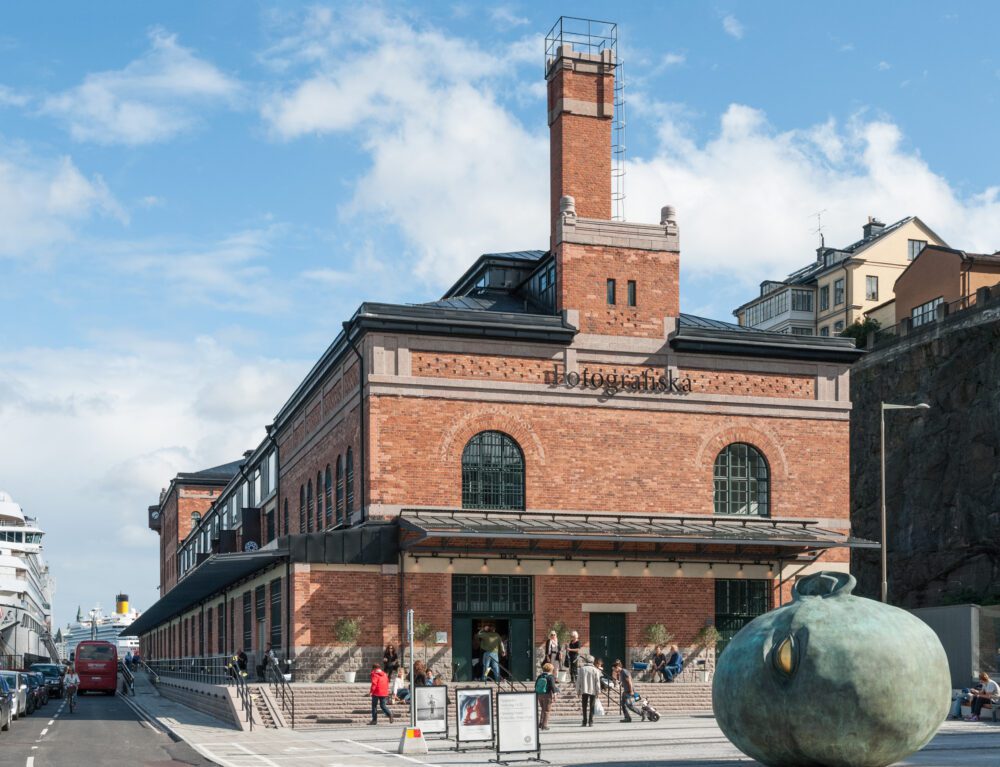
573 654
379 692
128 660
553 653
241 661
545 690
624 679
390 659
988 693
588 685
491 646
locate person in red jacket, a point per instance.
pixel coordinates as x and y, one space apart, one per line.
379 692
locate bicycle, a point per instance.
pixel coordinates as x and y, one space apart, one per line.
71 695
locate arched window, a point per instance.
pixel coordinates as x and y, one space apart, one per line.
195 518
328 491
284 521
309 507
340 490
319 500
302 508
742 481
349 485
492 472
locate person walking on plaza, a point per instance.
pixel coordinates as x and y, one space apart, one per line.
128 660
588 685
624 678
491 645
573 654
545 689
379 692
553 653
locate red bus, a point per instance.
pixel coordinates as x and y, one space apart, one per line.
97 665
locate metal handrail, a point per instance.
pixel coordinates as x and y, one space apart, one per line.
282 689
149 671
515 686
128 678
212 669
243 692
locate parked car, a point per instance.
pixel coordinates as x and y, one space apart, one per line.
6 705
19 691
34 693
53 673
37 683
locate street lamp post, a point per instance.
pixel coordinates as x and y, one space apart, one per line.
884 548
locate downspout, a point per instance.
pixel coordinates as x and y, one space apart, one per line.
277 481
288 610
361 413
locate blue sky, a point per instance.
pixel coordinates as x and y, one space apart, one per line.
193 196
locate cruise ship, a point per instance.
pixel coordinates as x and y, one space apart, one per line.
94 624
26 588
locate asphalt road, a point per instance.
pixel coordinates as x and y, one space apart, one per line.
102 731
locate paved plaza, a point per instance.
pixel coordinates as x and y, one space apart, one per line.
675 741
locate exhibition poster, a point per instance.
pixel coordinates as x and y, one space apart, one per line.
431 705
517 722
474 718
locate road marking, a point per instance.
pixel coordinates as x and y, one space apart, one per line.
51 722
44 732
31 761
389 753
264 759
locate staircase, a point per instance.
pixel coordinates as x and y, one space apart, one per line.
261 709
330 705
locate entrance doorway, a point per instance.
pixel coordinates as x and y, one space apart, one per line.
607 638
503 602
737 602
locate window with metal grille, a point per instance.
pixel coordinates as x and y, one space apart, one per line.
491 594
232 623
340 490
247 621
309 506
349 485
208 629
611 292
302 508
742 483
319 500
276 612
328 492
284 520
737 602
492 472
201 635
220 640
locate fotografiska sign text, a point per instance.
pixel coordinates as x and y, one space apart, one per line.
649 381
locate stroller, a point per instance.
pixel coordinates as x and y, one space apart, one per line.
646 710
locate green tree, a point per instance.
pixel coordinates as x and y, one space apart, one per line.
859 330
657 634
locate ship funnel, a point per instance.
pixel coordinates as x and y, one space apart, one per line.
121 604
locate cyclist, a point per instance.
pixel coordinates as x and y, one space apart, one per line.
71 683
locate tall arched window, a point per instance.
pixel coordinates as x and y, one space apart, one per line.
349 485
340 490
328 491
742 481
492 472
319 500
309 507
302 508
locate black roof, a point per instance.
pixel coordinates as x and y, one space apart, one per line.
489 300
693 321
749 342
518 258
223 472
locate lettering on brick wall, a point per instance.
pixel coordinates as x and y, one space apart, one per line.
649 381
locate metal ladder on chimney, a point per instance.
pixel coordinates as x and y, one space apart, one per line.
618 148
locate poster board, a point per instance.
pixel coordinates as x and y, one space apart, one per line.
517 723
431 709
474 720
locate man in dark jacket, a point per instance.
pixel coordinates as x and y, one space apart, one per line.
379 692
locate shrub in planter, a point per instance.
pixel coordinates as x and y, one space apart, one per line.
347 630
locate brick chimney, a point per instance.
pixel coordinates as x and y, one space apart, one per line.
581 89
613 278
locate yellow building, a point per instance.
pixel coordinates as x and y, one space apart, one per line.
842 284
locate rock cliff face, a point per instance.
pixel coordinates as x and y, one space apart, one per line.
942 467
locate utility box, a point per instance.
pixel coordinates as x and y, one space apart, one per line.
970 635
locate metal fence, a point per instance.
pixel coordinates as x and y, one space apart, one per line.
216 669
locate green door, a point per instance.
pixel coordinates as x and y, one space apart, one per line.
520 649
607 638
461 643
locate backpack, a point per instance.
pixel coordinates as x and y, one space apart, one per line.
542 684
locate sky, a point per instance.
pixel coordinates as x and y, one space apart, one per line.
194 196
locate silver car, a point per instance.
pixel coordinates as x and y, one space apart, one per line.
17 684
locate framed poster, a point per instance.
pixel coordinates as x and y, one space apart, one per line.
517 722
474 714
431 708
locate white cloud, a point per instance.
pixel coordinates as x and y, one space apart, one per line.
152 99
42 202
159 408
450 166
11 98
883 66
732 26
505 15
746 197
673 59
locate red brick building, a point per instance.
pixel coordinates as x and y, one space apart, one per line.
553 441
